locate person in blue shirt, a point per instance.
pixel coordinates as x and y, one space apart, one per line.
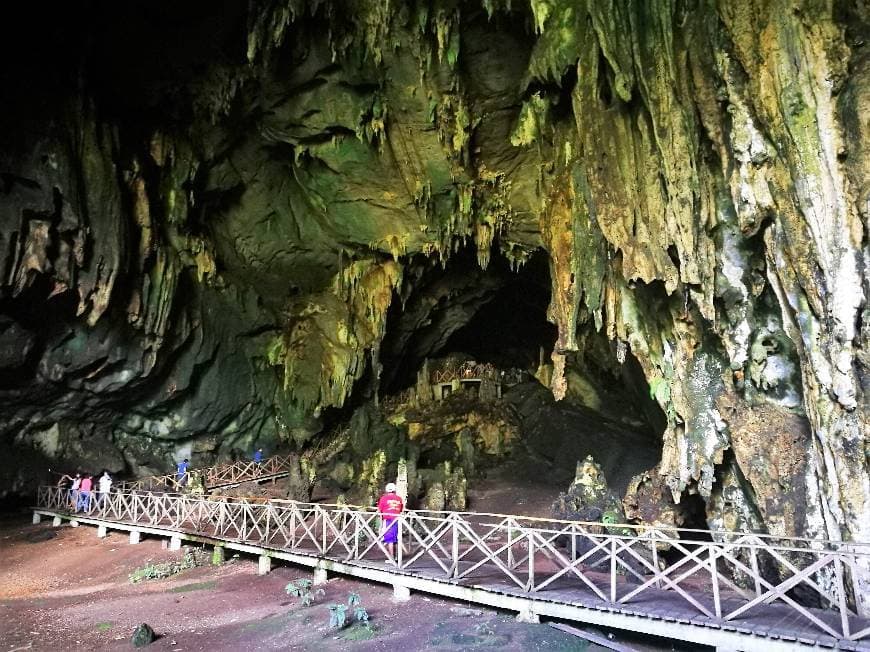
181 472
258 455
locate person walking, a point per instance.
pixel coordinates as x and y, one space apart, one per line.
84 502
181 472
74 491
390 506
103 488
258 456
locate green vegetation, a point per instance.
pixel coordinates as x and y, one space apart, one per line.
338 612
360 632
302 589
360 614
197 586
104 627
337 616
192 558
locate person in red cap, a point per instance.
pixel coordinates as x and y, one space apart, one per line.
389 507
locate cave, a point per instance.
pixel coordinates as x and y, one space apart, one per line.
510 329
233 226
497 316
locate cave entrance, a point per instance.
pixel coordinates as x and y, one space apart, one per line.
462 335
495 317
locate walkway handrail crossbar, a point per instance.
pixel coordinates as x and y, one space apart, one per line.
722 581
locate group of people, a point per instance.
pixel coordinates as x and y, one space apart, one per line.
85 491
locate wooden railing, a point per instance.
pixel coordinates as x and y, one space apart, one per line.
214 476
243 471
736 577
478 371
464 371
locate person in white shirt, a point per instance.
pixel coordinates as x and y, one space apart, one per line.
74 490
105 486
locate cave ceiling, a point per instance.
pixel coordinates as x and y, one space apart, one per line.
207 213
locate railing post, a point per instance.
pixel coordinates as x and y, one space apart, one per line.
530 581
454 570
323 517
655 559
399 541
612 568
293 510
573 543
356 517
714 577
841 597
753 559
510 552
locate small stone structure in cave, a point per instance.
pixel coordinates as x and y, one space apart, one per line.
226 238
438 379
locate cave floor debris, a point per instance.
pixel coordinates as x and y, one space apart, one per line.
74 590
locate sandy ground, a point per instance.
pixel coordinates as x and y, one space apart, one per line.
73 590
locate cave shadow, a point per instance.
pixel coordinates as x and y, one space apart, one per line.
498 316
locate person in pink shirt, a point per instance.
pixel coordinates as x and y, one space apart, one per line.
389 507
84 502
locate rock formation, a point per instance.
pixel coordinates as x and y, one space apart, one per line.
230 223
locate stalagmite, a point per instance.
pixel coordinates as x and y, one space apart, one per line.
200 252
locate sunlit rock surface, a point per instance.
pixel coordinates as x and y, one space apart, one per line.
222 225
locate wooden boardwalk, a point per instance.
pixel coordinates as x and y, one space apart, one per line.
733 590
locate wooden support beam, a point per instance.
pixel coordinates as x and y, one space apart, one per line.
401 593
592 638
529 617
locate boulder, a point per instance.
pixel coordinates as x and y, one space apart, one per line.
143 635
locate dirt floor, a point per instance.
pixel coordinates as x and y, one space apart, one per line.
63 586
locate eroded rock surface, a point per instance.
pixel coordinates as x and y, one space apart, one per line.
207 237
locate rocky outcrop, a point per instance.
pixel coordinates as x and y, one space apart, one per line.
208 246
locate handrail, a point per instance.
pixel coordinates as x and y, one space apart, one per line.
217 475
719 580
611 526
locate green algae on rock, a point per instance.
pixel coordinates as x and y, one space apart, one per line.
208 249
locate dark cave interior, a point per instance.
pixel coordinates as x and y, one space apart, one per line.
498 316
